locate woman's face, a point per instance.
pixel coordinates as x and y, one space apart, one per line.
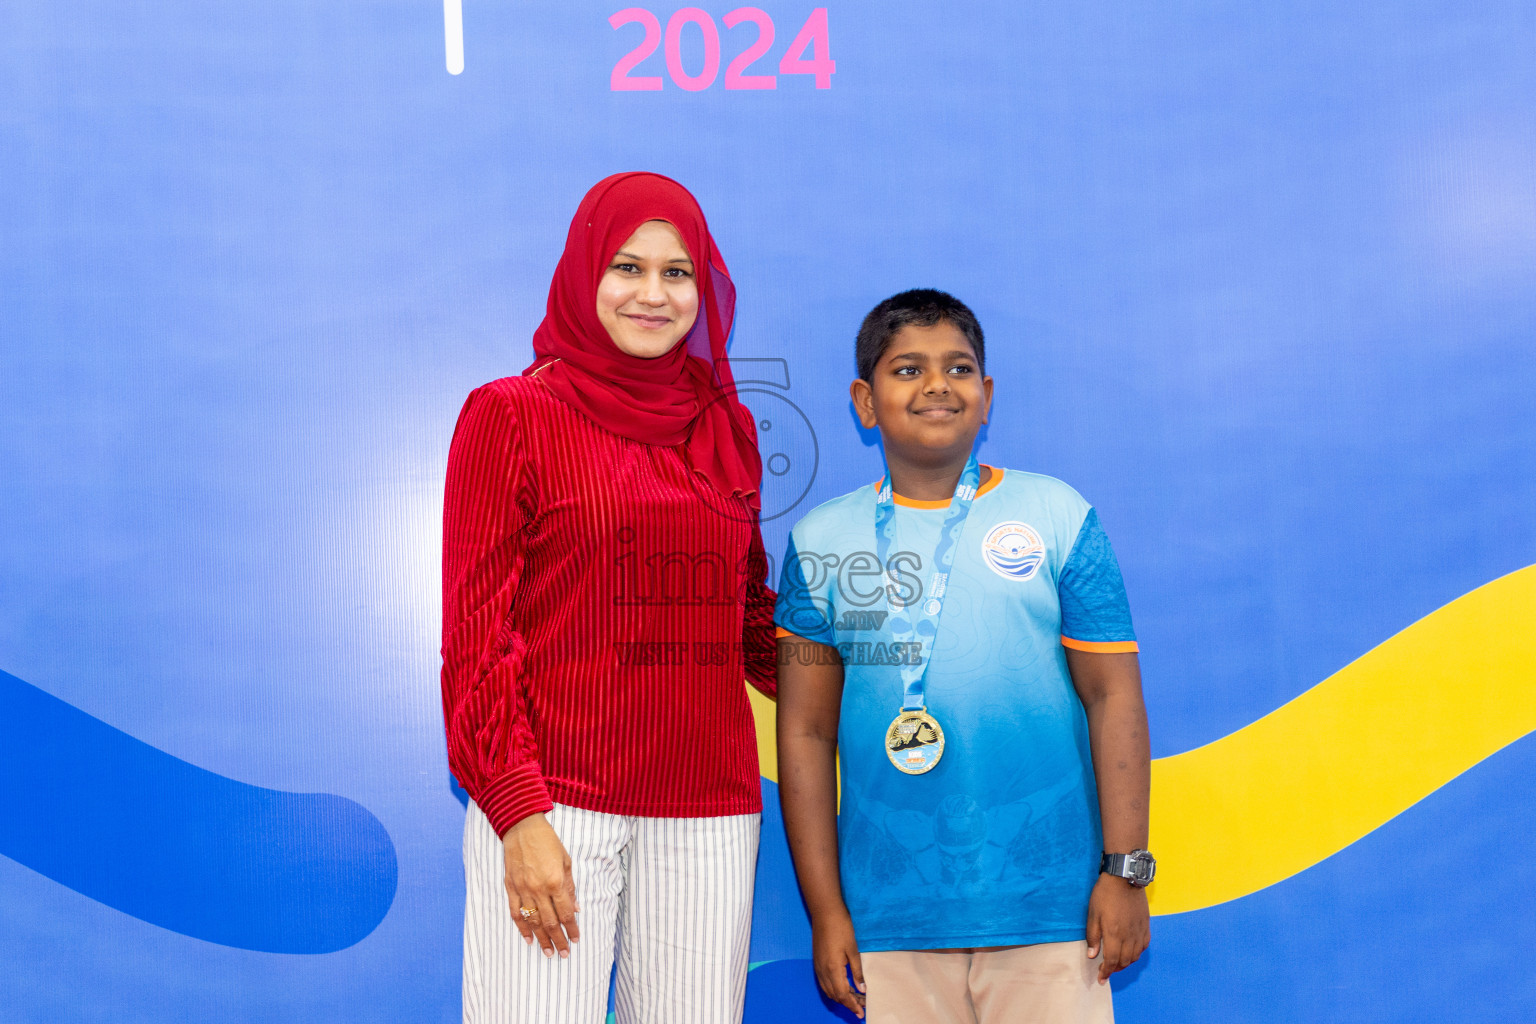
648 297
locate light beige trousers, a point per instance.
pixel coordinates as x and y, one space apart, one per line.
1047 983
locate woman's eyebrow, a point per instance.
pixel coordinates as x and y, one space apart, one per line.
641 259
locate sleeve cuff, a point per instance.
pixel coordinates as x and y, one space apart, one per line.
510 798
1101 646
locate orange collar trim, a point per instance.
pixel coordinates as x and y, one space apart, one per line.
996 478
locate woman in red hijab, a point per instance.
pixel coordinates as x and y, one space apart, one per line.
603 598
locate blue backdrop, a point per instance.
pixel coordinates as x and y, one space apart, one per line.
1259 280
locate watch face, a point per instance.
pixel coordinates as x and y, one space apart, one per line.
1136 867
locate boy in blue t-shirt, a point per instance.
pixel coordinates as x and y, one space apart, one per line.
960 634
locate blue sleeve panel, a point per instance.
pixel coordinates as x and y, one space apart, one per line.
1093 603
803 607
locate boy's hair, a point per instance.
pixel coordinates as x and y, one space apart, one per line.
920 307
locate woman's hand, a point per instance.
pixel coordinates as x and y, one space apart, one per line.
1119 923
539 879
835 953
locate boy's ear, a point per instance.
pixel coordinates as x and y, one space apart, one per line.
986 404
864 401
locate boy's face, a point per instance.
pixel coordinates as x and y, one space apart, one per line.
927 395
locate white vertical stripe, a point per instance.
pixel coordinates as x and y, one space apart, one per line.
453 34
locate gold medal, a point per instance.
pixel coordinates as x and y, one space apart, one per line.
914 742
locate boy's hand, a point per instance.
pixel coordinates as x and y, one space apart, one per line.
835 953
1118 923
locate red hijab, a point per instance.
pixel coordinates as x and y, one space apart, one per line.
686 397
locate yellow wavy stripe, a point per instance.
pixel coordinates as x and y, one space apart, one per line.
1356 750
1316 774
765 715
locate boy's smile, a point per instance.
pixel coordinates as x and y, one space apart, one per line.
929 399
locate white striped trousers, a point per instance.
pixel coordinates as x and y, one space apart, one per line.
668 899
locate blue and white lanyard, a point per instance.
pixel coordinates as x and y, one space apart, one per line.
923 622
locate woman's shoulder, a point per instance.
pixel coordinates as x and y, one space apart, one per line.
508 407
517 395
518 390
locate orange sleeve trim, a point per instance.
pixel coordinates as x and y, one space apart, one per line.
780 631
1101 646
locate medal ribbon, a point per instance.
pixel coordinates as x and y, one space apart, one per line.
923 621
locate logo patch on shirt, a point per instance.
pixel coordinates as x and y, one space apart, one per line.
1013 550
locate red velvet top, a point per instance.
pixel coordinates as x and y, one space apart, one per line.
601 604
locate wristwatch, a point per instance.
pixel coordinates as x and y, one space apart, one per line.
1136 867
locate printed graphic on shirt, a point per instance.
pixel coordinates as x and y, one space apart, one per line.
1013 550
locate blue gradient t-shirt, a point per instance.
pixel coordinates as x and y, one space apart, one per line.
999 844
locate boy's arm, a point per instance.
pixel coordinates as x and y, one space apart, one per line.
810 696
1110 688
